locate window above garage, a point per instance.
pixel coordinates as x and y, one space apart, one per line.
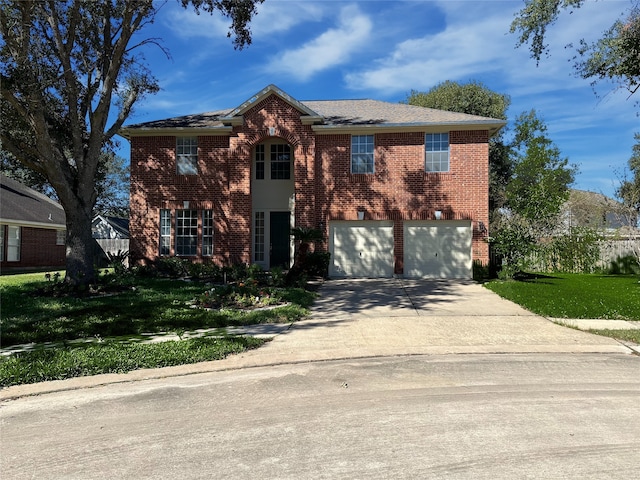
362 160
436 152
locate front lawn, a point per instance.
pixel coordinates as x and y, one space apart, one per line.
112 319
135 305
612 297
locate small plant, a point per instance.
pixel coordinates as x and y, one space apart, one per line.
277 277
118 261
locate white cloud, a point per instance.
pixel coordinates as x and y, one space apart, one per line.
332 48
476 43
273 16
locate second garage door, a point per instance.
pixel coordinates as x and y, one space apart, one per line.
437 249
361 249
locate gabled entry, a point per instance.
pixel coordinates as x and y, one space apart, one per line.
272 194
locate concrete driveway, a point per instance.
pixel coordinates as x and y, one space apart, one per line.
376 317
364 318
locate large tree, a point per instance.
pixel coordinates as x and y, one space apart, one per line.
615 56
535 194
70 75
475 98
629 190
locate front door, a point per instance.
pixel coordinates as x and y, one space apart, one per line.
280 240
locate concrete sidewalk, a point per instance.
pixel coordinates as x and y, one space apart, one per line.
386 317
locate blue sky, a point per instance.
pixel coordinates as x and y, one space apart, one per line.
336 49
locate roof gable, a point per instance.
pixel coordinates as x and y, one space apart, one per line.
237 113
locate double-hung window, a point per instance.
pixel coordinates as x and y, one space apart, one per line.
13 244
436 152
2 230
187 155
362 154
186 232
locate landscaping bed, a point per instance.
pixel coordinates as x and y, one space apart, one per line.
37 309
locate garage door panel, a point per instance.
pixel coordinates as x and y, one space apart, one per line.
361 250
437 249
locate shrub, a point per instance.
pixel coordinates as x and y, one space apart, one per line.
627 265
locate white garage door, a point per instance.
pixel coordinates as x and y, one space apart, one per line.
361 249
437 249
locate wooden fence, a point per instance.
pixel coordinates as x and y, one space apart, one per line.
112 246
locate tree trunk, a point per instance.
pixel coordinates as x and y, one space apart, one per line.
80 250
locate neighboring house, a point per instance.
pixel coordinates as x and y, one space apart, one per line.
396 189
111 234
597 211
32 228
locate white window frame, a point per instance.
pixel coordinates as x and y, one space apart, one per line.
259 238
363 154
436 156
13 243
280 161
3 229
164 246
207 233
260 162
61 237
187 155
186 233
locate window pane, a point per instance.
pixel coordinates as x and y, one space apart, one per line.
165 232
258 255
436 152
260 162
207 232
362 159
280 162
187 155
2 232
186 232
13 244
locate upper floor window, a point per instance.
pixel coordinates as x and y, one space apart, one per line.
61 237
260 162
280 161
187 155
436 152
362 154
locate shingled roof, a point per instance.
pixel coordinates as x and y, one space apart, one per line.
327 114
22 205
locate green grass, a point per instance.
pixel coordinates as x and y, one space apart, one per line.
118 319
149 305
110 357
612 297
632 336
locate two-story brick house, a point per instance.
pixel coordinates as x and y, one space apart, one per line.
395 188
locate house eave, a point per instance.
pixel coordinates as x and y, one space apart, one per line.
492 127
129 133
26 223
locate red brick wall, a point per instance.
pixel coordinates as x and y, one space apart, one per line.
38 249
400 189
325 189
